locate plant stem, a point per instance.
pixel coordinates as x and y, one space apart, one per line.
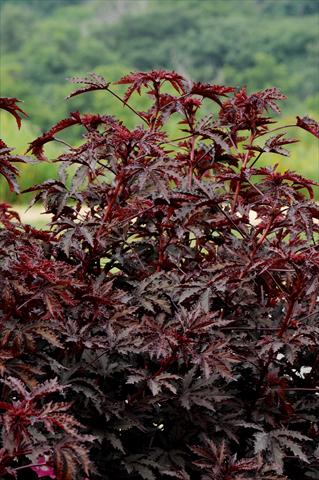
251 139
63 142
191 165
292 389
30 465
256 159
177 139
127 105
286 321
108 210
232 222
278 128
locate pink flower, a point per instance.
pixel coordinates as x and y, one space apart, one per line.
43 470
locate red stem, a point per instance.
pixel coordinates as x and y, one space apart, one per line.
276 129
30 465
236 196
127 105
190 171
251 139
108 210
286 320
266 231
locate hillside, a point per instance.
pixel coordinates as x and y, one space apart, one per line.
259 43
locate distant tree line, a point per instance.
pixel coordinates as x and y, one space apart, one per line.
259 43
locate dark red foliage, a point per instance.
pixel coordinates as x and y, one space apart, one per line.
165 325
10 104
7 170
206 90
90 83
245 112
90 122
309 124
155 79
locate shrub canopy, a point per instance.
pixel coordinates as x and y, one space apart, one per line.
165 325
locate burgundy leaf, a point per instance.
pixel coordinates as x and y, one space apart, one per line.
210 91
309 124
155 77
10 104
91 83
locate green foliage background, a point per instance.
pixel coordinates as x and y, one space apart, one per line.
258 43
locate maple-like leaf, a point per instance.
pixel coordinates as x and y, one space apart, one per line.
7 169
91 82
207 90
144 79
266 99
10 105
309 124
88 121
274 145
198 392
68 457
245 111
276 443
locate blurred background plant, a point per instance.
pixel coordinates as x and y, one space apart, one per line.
258 43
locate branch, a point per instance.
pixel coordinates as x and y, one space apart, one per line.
127 105
276 129
257 158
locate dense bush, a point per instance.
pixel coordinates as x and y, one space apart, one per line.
166 324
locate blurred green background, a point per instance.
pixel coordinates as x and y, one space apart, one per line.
258 43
